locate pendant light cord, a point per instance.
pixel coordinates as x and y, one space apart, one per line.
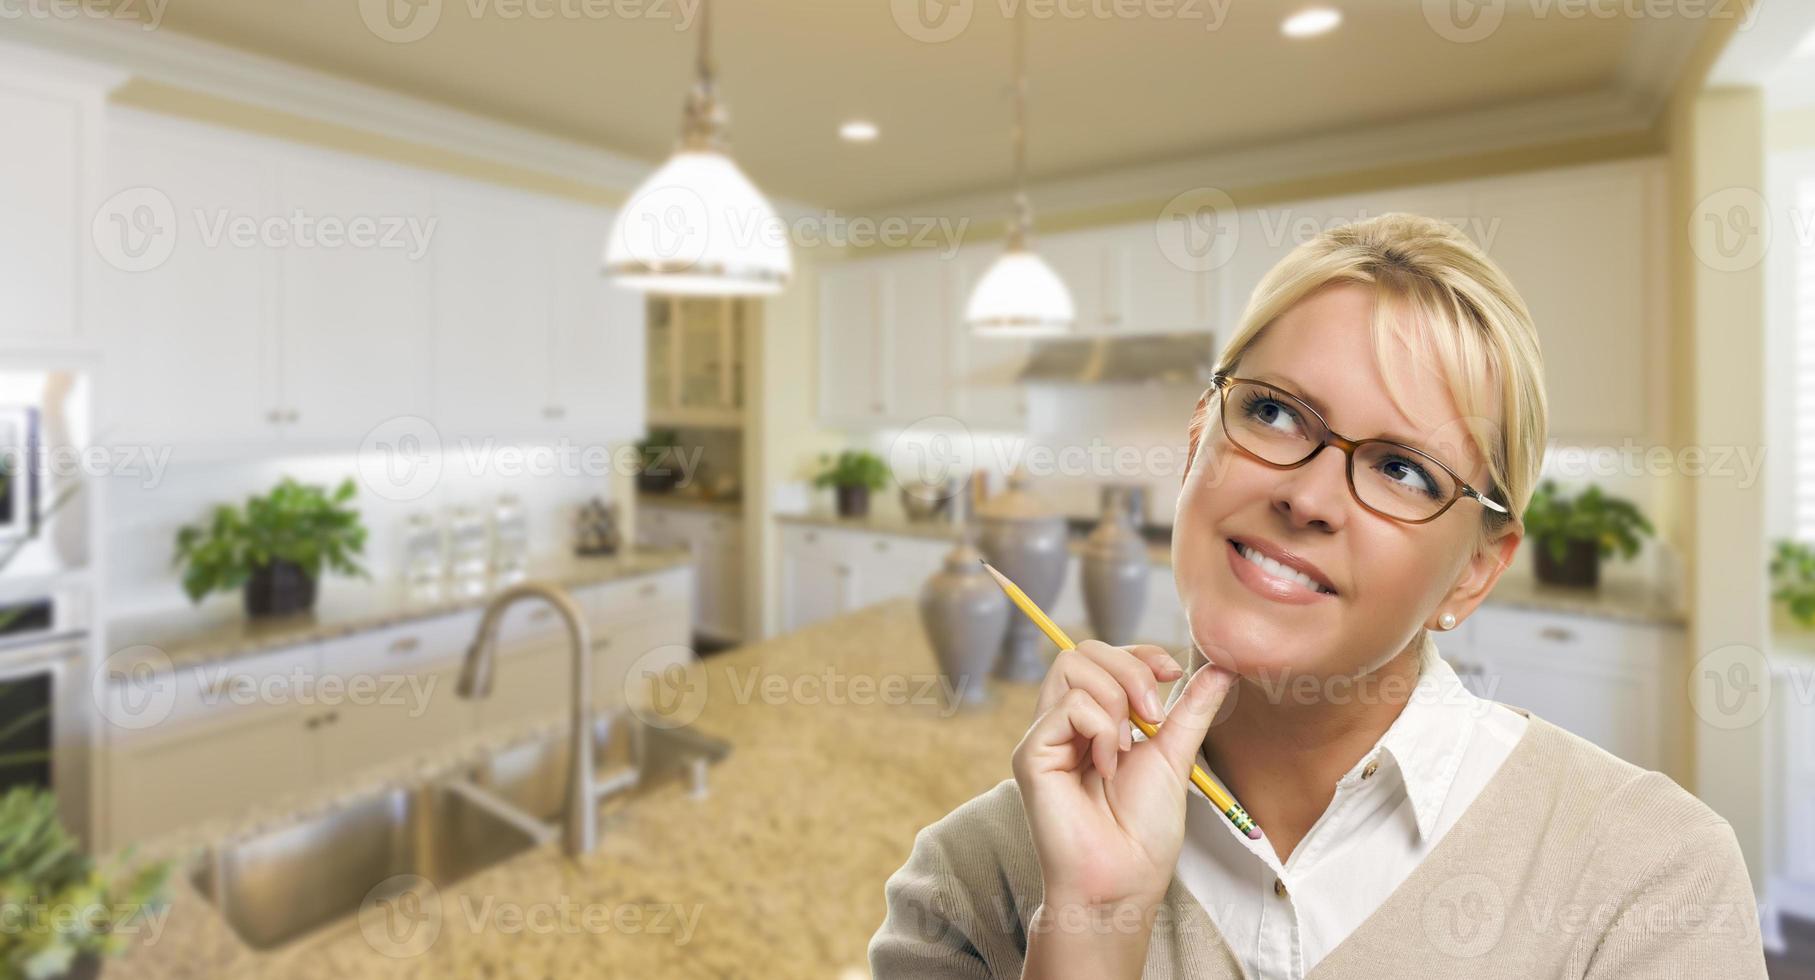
703 120
1021 225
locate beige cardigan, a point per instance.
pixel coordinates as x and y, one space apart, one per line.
1570 863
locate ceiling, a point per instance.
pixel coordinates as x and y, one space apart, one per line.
1187 78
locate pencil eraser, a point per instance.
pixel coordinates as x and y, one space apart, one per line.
1254 833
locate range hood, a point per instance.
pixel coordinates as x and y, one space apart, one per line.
1144 359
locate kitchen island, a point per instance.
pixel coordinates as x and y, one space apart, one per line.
845 742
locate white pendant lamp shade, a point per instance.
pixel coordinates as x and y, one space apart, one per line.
699 227
1019 295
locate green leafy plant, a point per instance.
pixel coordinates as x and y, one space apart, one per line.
68 905
300 523
1792 569
852 468
1612 523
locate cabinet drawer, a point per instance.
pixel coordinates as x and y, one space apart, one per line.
641 647
1529 631
631 598
422 645
208 693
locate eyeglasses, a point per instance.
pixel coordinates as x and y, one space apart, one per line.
1394 480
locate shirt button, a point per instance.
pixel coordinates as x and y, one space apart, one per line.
1279 887
1371 767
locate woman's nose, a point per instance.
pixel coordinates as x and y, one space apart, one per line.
1316 492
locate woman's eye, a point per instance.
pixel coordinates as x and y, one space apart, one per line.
1269 411
1410 475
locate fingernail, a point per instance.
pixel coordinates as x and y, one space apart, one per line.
1127 735
1150 705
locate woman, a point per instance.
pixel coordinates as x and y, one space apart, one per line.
1410 828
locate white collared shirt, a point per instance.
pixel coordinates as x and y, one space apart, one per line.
1388 811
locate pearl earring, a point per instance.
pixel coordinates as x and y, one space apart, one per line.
1447 621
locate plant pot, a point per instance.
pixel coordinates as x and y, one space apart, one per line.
1580 567
660 480
86 967
278 589
853 500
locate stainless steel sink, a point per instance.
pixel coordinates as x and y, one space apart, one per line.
276 886
631 758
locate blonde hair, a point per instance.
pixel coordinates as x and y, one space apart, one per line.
1464 315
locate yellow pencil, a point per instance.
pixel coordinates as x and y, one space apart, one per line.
1224 802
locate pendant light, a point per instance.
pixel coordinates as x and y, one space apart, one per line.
698 226
1020 295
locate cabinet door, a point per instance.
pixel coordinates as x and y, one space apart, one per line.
41 182
527 683
162 783
1094 265
816 576
893 566
1173 286
491 338
1577 247
400 689
598 334
648 644
720 557
356 320
987 394
190 342
850 344
918 337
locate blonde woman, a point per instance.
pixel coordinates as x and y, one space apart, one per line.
1356 474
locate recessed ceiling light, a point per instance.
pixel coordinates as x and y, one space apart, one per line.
1311 22
858 131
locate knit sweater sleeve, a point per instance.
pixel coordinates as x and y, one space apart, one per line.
1690 915
952 911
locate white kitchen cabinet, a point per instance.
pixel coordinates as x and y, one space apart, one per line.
850 350
890 566
492 355
817 577
628 652
986 391
190 341
46 226
597 333
916 312
400 689
1617 684
1175 274
716 541
1094 265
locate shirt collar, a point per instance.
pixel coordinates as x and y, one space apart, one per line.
1424 745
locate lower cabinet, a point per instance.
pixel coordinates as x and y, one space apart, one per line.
205 741
827 572
717 542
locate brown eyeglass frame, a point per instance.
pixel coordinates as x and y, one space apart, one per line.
1221 383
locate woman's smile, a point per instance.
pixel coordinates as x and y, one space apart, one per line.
1271 579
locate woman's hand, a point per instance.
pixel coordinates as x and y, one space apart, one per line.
1108 819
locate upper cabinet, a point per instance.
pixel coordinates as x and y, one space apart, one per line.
886 353
45 216
299 298
695 357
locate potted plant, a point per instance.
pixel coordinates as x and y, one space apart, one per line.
71 911
1573 534
274 548
656 472
1793 580
854 473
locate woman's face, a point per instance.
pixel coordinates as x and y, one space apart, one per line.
1389 578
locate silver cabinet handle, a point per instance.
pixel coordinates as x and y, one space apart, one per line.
405 644
228 685
880 545
313 722
647 589
292 415
1557 633
811 537
274 416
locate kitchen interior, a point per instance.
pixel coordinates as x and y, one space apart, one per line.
437 541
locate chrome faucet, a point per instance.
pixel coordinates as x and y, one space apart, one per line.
580 829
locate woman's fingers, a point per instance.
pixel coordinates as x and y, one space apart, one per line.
1191 716
1049 743
1133 671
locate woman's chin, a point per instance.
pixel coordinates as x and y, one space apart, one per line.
1254 651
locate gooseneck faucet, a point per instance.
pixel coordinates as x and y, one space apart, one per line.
580 829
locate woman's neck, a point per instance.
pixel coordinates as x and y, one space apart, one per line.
1285 743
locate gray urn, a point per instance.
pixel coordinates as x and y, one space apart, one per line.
1114 575
965 616
1026 540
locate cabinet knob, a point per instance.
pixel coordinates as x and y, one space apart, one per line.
876 407
313 722
330 718
881 545
405 644
1557 634
647 589
811 536
292 415
274 416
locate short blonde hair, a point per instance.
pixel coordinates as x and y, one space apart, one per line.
1464 315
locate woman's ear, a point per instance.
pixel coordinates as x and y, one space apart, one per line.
1479 575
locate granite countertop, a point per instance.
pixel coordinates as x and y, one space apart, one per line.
1618 598
941 530
843 748
731 507
188 636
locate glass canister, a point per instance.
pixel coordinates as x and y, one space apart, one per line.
424 559
469 546
510 542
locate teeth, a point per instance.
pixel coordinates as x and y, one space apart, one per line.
1277 570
